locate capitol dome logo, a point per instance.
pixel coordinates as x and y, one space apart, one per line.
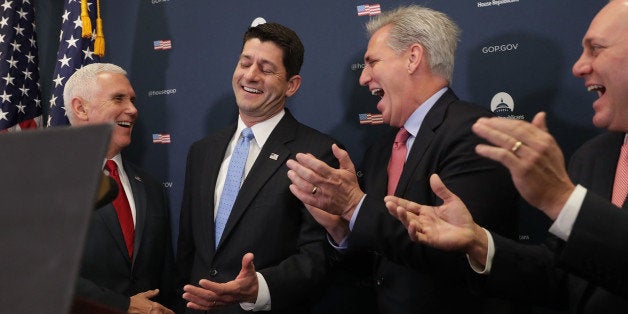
258 21
502 104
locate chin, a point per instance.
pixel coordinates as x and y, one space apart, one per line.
601 123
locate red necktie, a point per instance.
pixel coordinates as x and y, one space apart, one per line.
620 186
123 209
397 160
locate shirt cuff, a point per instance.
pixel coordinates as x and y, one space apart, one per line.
355 213
263 297
567 217
343 244
489 257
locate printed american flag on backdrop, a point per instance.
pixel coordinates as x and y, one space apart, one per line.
162 44
74 52
161 138
371 118
369 9
20 98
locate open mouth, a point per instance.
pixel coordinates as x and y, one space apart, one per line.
378 92
252 90
124 124
600 89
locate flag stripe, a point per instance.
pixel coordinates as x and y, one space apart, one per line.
74 52
161 138
20 94
371 118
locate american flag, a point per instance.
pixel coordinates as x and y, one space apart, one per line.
74 52
369 9
162 44
371 118
20 101
161 138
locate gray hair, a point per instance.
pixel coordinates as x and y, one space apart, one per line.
83 83
433 30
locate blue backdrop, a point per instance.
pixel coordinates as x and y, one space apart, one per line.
520 50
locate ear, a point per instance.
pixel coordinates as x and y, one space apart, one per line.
415 57
293 85
79 108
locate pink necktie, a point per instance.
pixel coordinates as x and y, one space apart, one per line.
620 187
397 160
123 209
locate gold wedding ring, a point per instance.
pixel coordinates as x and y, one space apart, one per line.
314 190
516 147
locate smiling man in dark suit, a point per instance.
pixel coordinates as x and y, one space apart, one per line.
122 269
409 64
581 268
264 221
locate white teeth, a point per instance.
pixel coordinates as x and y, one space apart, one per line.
594 87
377 92
125 124
252 90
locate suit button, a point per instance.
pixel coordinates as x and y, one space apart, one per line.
380 281
213 272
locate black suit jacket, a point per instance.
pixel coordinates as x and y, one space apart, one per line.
266 219
444 145
577 275
107 273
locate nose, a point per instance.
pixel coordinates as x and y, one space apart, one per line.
251 72
582 66
131 109
365 77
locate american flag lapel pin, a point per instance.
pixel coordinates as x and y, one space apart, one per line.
273 156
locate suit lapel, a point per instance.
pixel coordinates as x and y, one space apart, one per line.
272 156
209 175
139 197
110 218
423 140
604 166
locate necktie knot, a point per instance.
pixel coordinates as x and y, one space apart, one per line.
402 137
111 167
247 134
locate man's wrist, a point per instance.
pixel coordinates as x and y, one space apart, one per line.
348 212
339 231
558 202
478 248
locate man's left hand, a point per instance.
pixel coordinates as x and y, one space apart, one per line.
211 295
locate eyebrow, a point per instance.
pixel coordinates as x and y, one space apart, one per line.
120 94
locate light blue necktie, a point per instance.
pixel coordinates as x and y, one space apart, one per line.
232 181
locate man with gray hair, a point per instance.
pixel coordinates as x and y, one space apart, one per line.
128 257
409 64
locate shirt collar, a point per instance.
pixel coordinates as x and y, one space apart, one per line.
261 130
413 124
117 158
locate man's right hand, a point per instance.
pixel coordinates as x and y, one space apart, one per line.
141 303
335 191
535 161
448 227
